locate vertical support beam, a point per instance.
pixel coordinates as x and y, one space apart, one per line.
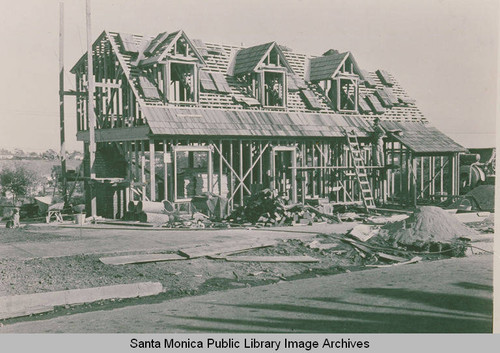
61 105
261 178
240 142
136 162
231 159
165 170
152 170
128 154
432 166
220 168
414 180
422 163
91 112
303 179
314 171
143 172
441 177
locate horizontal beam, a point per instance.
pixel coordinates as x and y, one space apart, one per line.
74 93
116 134
107 85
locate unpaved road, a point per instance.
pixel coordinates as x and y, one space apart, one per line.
453 295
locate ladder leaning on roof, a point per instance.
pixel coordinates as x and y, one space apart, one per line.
360 170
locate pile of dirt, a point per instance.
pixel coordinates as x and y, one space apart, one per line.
266 208
429 224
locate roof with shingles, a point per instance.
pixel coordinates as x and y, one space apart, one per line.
247 59
211 122
220 114
422 138
324 67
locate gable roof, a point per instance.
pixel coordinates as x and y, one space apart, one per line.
163 43
248 59
327 66
219 60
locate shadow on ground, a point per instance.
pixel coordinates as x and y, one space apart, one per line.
441 313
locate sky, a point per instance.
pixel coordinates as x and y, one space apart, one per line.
443 52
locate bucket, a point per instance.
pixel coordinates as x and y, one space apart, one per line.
80 218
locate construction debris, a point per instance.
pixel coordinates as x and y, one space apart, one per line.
140 259
224 248
266 208
304 259
364 232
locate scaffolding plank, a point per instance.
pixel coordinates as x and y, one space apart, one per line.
220 82
310 99
128 43
206 82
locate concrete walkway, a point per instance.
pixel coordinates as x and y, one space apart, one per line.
452 295
101 239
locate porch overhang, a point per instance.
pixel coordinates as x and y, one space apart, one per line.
251 123
422 139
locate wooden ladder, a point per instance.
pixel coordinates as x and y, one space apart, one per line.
360 170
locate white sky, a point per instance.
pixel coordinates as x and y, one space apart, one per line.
443 52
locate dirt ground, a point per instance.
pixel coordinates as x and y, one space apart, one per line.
179 278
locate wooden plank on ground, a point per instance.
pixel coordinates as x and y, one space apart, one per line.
219 248
306 259
140 259
412 261
391 257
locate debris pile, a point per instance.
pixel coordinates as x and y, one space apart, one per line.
266 208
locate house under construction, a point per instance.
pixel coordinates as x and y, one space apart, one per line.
178 117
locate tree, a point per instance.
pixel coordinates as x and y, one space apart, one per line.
19 180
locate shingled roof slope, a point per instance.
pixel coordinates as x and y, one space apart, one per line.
247 59
212 122
324 67
422 138
218 60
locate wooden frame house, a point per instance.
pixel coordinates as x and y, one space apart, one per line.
177 117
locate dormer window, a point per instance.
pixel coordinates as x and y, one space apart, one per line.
338 75
274 89
178 62
182 85
344 93
263 72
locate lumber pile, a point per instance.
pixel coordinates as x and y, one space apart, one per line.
266 208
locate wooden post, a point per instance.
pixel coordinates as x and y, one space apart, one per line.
303 179
220 167
414 180
143 172
422 162
231 159
165 170
61 105
128 192
241 171
91 112
152 170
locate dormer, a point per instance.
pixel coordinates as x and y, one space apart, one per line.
338 75
174 62
262 70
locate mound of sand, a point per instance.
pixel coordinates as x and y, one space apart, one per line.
427 225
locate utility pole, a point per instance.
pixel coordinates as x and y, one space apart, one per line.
61 104
91 114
